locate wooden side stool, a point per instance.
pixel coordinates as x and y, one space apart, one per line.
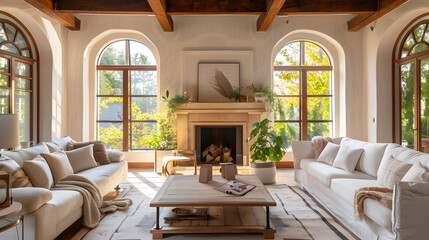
185 156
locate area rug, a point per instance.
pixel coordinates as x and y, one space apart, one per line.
296 216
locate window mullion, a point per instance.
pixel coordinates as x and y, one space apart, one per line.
12 86
304 105
125 116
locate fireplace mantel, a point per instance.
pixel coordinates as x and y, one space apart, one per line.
216 114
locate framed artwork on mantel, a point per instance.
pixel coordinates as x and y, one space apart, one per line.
217 81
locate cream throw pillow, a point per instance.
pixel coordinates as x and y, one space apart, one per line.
39 172
17 175
347 158
59 165
329 153
417 173
82 158
391 171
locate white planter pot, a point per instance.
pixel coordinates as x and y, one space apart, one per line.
259 97
265 171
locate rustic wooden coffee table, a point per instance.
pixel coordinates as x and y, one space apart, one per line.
227 213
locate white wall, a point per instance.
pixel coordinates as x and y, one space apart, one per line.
378 49
49 37
213 33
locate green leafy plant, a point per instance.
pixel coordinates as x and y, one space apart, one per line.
236 94
175 101
270 96
268 143
163 136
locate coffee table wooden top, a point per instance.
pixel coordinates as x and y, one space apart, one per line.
185 190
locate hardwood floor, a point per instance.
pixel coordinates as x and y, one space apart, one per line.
284 176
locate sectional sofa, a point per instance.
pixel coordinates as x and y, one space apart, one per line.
334 188
48 213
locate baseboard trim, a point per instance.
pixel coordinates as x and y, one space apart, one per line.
286 164
140 165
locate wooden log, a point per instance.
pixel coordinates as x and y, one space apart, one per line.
209 158
229 159
213 148
227 154
216 153
217 159
205 152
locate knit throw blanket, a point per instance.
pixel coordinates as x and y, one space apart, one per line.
382 195
93 204
319 143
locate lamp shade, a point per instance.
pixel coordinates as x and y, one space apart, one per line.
9 130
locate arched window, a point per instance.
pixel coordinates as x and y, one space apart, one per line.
302 83
127 94
411 85
18 75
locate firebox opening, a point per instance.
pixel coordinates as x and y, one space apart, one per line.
219 144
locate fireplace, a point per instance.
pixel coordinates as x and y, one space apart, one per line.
219 144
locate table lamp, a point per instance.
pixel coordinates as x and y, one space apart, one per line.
9 131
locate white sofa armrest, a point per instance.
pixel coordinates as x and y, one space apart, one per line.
31 198
302 150
410 210
115 156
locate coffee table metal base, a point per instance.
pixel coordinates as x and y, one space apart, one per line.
220 220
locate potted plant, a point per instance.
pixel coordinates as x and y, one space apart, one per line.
266 151
163 137
264 94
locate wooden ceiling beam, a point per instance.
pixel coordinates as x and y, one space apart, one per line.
362 20
159 8
265 20
47 7
230 7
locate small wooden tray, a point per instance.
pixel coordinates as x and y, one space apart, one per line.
200 214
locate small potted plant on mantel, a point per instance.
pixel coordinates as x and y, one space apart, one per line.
266 151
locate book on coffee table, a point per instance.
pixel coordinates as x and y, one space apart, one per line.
236 188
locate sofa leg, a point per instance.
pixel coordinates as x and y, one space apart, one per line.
117 188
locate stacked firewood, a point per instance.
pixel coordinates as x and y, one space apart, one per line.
217 154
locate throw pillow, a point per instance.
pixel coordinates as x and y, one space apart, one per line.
17 175
347 158
26 154
329 153
39 172
59 165
100 153
82 158
53 147
417 173
115 156
391 171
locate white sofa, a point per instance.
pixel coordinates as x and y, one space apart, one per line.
334 188
49 213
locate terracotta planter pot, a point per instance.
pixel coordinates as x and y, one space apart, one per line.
265 171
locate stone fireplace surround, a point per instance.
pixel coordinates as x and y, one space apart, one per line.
217 114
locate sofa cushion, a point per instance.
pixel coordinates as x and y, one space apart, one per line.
304 163
115 156
345 188
31 198
329 153
17 174
391 171
347 158
53 147
39 172
82 158
105 175
417 173
62 204
325 173
100 153
27 153
370 159
59 165
62 142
